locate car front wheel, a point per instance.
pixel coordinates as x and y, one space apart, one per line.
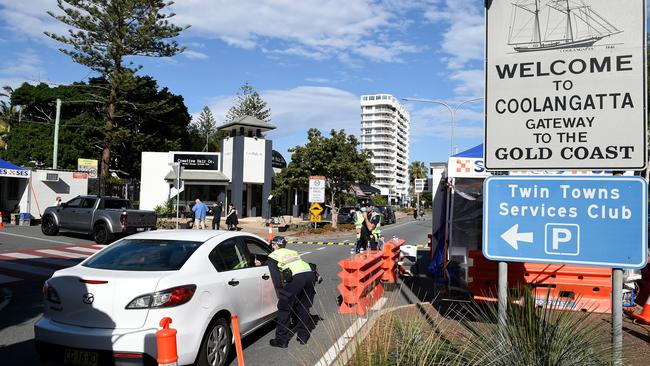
216 344
48 226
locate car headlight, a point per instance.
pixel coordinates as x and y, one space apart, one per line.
171 297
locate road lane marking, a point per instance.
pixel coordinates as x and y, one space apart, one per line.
19 267
37 238
8 279
305 253
321 248
62 253
19 255
82 249
333 352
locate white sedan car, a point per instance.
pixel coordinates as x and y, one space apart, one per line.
107 308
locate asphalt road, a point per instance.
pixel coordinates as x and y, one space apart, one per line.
21 302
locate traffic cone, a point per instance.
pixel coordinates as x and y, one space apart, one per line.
2 224
644 316
270 236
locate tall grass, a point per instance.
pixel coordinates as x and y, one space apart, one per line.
536 334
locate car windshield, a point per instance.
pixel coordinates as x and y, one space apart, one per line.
344 211
144 255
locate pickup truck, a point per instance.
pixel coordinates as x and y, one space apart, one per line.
103 217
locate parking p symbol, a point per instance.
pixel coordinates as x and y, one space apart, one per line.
562 239
560 235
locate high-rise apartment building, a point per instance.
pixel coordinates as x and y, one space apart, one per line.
385 128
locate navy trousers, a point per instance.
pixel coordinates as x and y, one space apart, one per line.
296 297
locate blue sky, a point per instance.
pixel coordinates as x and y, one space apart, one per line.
310 60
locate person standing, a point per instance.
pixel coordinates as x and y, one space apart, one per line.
294 282
216 215
231 218
371 221
58 201
200 210
358 223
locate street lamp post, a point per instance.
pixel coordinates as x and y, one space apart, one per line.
452 111
177 165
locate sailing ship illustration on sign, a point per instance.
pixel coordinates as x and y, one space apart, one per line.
556 24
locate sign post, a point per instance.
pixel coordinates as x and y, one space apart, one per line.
566 85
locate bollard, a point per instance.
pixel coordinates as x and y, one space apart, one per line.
2 224
238 347
166 340
270 236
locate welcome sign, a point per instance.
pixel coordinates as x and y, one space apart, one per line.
566 84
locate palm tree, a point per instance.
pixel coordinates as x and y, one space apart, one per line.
7 115
417 170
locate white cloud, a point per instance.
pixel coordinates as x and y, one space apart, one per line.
22 67
29 18
294 111
195 55
464 38
313 29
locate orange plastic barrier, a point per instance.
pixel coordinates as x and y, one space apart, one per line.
360 285
571 287
644 286
236 334
390 258
166 341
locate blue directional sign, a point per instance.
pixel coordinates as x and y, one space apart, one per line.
595 221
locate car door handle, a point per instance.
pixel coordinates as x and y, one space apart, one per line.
265 277
233 282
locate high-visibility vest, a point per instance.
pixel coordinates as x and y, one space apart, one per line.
358 223
289 259
376 232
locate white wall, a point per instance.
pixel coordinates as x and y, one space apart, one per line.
254 151
43 194
154 190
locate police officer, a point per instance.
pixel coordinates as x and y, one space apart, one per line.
358 224
294 281
372 222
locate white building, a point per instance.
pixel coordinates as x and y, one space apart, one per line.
385 128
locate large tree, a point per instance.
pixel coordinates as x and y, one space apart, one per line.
336 157
417 170
82 122
206 125
249 103
103 35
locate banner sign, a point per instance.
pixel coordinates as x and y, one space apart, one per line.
566 85
198 161
89 166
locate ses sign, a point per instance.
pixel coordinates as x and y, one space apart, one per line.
597 221
419 185
316 189
566 84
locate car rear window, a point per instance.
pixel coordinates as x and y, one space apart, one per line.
144 255
118 204
344 210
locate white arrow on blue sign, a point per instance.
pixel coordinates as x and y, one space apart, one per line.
595 221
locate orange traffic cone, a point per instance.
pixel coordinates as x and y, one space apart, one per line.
2 224
270 236
644 316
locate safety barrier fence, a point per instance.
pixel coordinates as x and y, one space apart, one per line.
390 257
568 287
360 285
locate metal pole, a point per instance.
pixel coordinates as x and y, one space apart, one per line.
453 132
503 296
178 191
617 315
55 155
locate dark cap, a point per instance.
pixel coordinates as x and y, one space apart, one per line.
369 203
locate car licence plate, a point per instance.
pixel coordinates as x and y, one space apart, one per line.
140 229
80 358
